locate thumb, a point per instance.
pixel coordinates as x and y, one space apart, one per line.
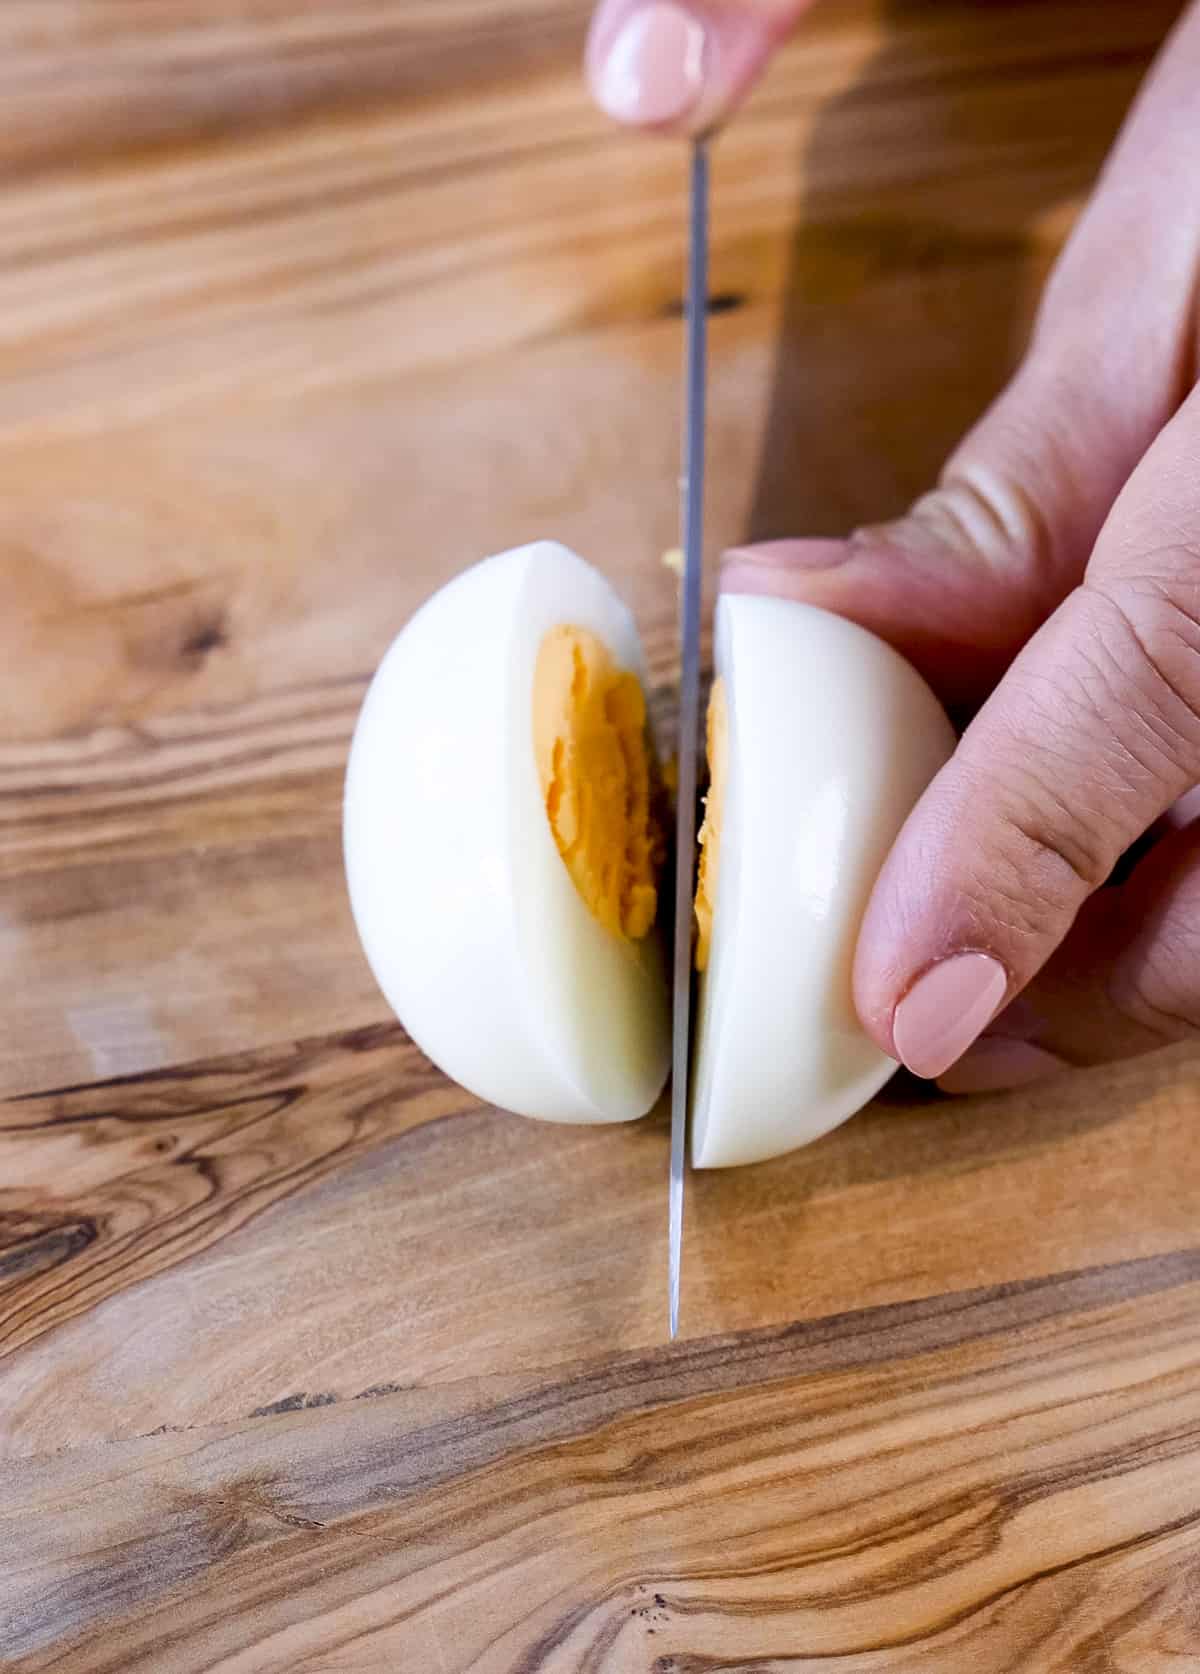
962 581
959 585
682 65
920 585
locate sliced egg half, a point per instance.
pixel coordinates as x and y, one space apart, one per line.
503 841
820 739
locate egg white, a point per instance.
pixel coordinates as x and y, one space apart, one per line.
832 737
468 916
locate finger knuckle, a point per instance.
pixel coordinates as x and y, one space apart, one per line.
1021 880
1158 987
1064 850
980 511
1149 624
1046 850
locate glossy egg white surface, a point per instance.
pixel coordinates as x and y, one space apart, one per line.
832 737
471 923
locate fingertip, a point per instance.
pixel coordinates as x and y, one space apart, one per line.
681 66
945 1010
648 67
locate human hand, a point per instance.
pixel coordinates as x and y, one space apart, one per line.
1054 579
682 65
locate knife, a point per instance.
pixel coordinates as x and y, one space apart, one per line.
692 485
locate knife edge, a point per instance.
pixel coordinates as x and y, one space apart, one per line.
692 485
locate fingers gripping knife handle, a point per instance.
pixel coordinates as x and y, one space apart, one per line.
689 699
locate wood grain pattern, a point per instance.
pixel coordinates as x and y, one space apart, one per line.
314 1221
307 1361
1006 1478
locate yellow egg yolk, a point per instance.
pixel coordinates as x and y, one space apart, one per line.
710 831
595 768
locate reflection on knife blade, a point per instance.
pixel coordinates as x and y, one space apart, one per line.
689 701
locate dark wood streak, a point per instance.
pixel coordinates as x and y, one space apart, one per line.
854 1340
242 1068
768 1412
32 1244
781 1659
170 1192
851 1341
299 1152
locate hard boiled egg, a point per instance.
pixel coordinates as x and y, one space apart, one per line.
503 841
821 738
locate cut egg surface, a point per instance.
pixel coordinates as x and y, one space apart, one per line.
821 738
503 841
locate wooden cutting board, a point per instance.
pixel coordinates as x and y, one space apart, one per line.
308 1362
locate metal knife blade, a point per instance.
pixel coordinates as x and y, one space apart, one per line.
692 486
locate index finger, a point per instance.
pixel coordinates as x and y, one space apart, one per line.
1092 734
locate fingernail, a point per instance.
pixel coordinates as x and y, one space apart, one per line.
788 555
779 567
946 1010
654 70
996 1065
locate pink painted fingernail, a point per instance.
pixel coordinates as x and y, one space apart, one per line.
996 1065
654 70
946 1010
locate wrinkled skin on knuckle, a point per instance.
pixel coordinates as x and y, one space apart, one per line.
1151 621
1014 875
1040 845
1157 985
1052 856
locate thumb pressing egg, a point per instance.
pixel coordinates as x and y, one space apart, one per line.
504 841
820 740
